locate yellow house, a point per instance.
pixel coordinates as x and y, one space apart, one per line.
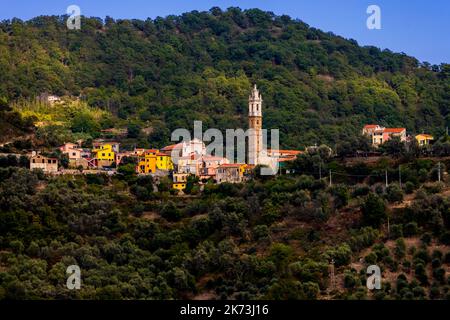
147 162
179 181
424 139
105 151
164 161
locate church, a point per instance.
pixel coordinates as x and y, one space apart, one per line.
258 154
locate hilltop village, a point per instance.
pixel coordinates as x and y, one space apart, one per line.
192 157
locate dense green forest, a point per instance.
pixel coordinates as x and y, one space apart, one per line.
271 238
167 72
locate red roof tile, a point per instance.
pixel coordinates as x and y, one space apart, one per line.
370 126
394 130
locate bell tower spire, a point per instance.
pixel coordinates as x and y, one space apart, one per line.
255 126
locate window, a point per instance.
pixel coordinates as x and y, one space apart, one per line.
49 161
74 154
34 161
103 154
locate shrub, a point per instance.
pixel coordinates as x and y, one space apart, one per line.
410 229
437 254
371 258
394 193
433 188
422 255
170 212
426 239
361 190
401 282
393 265
445 238
421 274
418 292
409 187
381 250
341 196
261 232
350 281
310 290
439 274
374 210
436 263
341 255
396 231
435 293
400 248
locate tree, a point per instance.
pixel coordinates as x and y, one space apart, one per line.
192 185
393 147
373 210
83 122
394 193
341 195
133 130
170 212
128 171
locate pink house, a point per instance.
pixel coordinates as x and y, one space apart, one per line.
380 135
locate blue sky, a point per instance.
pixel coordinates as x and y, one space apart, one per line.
420 28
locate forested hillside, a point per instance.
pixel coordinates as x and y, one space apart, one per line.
270 238
166 73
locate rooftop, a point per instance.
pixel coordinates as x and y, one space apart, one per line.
394 130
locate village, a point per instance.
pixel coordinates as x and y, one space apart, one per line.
192 158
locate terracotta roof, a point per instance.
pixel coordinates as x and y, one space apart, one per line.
370 126
394 130
292 152
172 146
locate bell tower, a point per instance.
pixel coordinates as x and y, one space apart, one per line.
255 124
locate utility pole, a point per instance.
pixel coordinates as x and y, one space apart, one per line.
332 278
385 172
320 170
439 171
330 179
